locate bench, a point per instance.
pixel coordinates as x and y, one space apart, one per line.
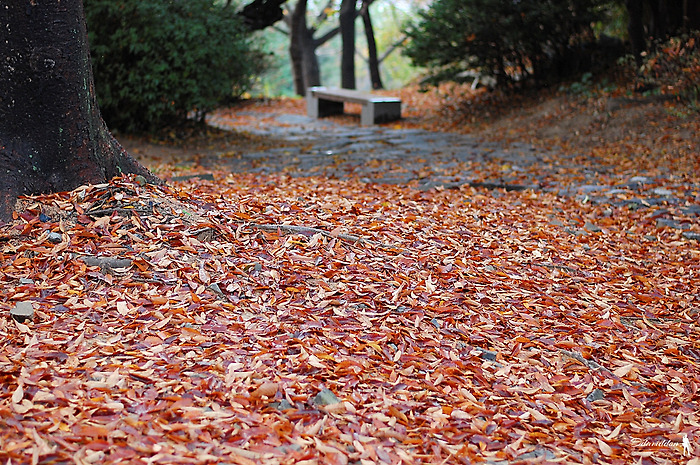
322 101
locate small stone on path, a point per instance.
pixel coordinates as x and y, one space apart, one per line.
326 397
22 311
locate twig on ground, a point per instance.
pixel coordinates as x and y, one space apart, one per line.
109 211
558 267
308 230
590 364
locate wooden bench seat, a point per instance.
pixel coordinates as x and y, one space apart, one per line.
323 101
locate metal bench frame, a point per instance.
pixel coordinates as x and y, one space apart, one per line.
322 101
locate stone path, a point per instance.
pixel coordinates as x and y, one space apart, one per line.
383 154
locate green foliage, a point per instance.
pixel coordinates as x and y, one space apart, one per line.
511 40
156 62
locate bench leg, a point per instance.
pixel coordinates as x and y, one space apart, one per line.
380 112
318 107
367 116
329 108
311 105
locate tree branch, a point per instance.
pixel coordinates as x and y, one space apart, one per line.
260 14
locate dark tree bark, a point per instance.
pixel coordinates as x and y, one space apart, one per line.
347 34
635 28
52 136
302 48
374 75
297 23
659 19
309 59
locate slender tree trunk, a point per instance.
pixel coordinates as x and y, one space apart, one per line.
52 136
635 29
374 75
659 19
347 34
297 24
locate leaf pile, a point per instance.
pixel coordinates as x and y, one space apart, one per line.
305 320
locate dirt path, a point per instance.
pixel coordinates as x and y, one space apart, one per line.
565 154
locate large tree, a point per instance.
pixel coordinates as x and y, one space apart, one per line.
52 136
303 44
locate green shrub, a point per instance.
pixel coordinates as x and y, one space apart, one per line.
156 62
509 40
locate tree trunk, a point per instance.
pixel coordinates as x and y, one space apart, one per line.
635 29
52 136
297 24
347 34
374 75
312 70
302 51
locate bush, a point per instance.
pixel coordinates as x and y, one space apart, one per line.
509 40
157 61
674 67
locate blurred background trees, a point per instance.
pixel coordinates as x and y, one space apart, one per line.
165 62
541 42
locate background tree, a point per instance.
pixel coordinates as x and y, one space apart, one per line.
386 21
52 136
303 44
348 13
511 41
373 60
651 20
157 63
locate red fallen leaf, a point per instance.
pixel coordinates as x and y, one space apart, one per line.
90 430
158 300
399 415
240 460
379 338
631 399
152 340
142 265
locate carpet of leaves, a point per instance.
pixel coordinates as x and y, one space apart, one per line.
270 319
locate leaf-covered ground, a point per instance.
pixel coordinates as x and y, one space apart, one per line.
271 319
